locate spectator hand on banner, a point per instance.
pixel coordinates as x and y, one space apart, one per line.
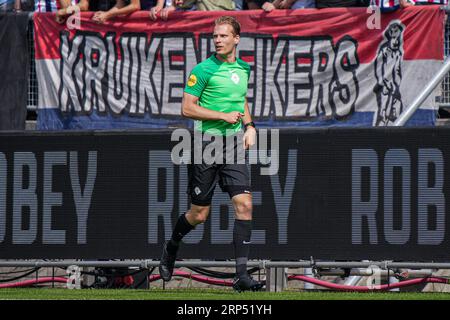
286 4
173 7
154 12
100 17
62 14
68 9
120 9
166 11
268 7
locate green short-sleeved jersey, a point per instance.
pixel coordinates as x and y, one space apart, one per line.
220 86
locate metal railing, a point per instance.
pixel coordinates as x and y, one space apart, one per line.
384 265
445 92
32 95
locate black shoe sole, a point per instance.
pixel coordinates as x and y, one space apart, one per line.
167 279
254 288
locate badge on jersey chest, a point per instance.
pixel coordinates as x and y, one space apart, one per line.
235 78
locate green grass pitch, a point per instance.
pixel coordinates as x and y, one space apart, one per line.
205 294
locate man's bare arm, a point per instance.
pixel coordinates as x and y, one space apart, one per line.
250 132
62 13
247 115
190 109
83 5
121 8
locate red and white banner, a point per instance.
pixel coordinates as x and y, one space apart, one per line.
328 66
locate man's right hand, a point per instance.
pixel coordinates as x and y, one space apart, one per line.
232 117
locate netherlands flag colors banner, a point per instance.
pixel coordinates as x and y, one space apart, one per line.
309 67
387 5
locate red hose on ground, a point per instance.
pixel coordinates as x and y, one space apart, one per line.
335 286
321 283
228 283
198 278
28 283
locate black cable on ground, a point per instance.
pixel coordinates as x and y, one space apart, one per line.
18 271
112 274
21 276
219 274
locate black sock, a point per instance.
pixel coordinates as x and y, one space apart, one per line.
182 228
242 233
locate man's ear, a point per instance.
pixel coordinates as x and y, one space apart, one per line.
237 39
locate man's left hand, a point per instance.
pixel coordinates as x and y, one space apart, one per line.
249 137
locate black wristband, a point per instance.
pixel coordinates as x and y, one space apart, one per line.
250 124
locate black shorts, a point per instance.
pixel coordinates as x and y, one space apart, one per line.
233 176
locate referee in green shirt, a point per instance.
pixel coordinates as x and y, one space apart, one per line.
215 97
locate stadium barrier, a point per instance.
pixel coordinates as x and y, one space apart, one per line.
330 194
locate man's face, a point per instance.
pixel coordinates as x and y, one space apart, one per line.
224 39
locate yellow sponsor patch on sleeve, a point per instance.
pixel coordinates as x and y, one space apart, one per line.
192 81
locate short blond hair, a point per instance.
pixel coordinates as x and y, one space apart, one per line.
232 21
